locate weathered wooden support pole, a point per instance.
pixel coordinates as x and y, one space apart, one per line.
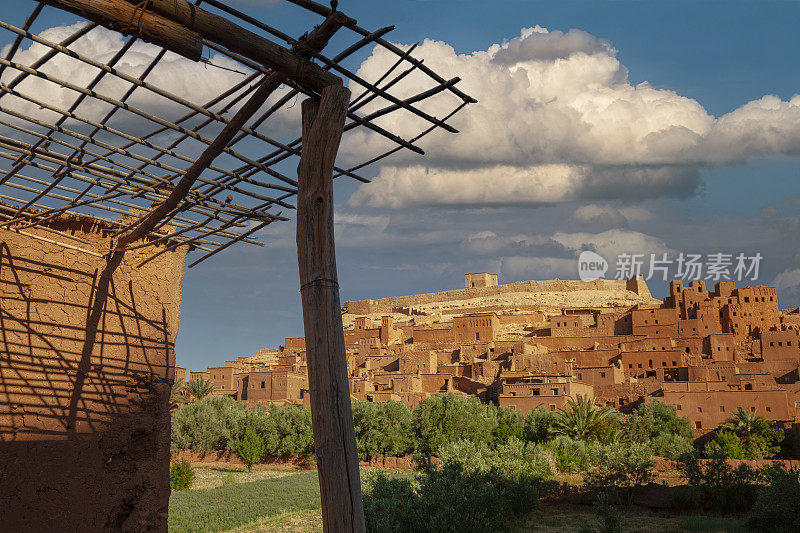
331 412
253 46
129 19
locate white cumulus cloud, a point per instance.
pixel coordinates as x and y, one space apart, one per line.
558 120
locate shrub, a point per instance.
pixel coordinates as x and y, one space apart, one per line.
441 419
623 467
382 429
437 501
514 459
725 445
608 517
671 446
389 502
250 449
574 455
777 507
476 488
449 500
180 475
655 419
505 431
720 485
537 425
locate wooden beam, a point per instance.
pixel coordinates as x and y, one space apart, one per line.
331 412
217 29
129 19
177 195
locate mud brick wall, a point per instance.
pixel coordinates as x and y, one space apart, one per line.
86 366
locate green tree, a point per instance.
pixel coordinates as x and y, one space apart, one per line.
759 438
199 388
659 425
582 420
725 445
382 429
654 419
250 449
624 467
441 419
537 425
292 430
213 424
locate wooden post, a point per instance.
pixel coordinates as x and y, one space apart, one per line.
331 412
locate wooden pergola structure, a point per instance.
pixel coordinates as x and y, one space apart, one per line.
215 181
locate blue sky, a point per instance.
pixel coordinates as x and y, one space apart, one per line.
720 55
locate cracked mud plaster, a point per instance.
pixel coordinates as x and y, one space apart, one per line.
86 366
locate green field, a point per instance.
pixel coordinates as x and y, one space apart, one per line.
242 502
229 499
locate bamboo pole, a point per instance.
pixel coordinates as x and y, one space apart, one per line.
331 412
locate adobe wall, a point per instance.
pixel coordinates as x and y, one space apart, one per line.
385 305
86 367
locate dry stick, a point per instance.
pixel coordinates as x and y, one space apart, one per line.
268 86
232 242
237 211
366 96
18 41
277 156
421 96
61 173
269 201
352 116
136 82
136 111
331 413
402 103
134 174
188 116
100 206
128 137
211 231
51 241
289 149
397 149
325 11
45 228
36 65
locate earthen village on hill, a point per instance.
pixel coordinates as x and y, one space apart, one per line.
536 344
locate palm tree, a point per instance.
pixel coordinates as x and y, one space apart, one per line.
178 394
745 424
581 419
199 388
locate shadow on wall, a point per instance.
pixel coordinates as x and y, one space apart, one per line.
86 366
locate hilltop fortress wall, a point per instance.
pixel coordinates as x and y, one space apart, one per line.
86 367
386 305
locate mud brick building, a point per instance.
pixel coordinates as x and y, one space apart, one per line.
537 344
